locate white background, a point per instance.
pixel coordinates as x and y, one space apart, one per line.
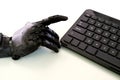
44 64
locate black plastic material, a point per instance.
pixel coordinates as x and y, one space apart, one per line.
96 36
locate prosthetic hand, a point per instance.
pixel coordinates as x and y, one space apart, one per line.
30 37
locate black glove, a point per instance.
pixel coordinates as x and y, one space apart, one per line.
30 37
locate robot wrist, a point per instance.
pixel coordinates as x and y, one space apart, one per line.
5 46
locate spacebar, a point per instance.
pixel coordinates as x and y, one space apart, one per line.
108 58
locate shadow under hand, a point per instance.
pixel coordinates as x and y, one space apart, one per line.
41 58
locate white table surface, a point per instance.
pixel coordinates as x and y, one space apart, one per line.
44 64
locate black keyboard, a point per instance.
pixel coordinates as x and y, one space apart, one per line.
97 37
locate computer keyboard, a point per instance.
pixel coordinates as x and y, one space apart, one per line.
97 37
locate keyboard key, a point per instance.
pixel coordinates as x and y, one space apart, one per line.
94 17
91 50
106 34
96 44
82 45
96 37
67 39
77 35
115 25
98 31
74 42
101 19
118 47
113 30
118 56
114 37
89 33
83 24
104 40
104 48
91 21
98 24
91 28
83 18
89 40
87 15
118 33
79 29
113 52
108 22
119 40
106 27
108 58
112 44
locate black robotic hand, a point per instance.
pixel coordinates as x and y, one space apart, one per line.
30 37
